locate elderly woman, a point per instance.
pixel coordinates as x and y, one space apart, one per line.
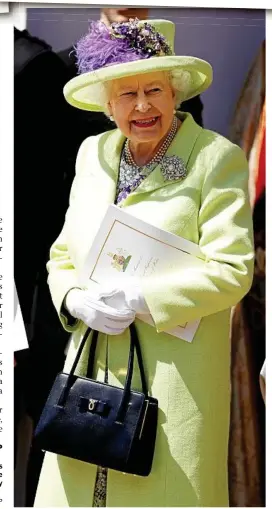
163 168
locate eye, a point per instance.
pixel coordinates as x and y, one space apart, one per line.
154 90
126 94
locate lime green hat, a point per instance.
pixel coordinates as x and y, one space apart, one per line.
127 49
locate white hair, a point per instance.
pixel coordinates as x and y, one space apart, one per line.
179 81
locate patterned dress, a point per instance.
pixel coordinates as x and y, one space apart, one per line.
129 179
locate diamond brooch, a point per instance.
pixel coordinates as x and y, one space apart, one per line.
173 168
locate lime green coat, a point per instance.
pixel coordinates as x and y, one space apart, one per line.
191 380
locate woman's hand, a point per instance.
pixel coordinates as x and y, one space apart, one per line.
87 306
124 293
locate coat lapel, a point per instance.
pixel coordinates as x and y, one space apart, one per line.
109 154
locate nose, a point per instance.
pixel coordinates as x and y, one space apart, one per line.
142 104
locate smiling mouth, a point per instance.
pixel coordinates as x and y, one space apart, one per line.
147 122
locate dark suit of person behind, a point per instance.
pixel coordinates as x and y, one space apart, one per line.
41 135
40 156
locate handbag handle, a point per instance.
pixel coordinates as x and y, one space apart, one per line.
133 332
134 344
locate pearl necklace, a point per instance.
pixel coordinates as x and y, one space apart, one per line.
161 152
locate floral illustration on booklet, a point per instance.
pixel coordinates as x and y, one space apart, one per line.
120 261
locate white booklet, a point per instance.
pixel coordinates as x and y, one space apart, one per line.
126 246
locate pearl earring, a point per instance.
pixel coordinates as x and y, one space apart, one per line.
111 118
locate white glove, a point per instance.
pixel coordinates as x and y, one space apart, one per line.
124 293
86 305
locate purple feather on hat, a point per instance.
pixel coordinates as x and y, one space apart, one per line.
120 43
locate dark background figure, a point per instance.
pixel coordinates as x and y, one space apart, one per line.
47 136
40 158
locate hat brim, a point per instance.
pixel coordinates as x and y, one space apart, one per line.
83 90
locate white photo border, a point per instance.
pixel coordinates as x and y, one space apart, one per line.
223 4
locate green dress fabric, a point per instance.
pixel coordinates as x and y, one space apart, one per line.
191 380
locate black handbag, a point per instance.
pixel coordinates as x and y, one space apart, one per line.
98 423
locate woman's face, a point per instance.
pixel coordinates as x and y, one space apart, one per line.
142 106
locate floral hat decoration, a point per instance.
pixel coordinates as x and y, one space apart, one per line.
126 49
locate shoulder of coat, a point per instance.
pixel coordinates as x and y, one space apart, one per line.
92 142
91 147
212 140
213 147
212 152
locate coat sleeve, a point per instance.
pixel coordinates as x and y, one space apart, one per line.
62 275
226 240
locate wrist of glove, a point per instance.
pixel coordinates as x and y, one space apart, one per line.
125 293
86 305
